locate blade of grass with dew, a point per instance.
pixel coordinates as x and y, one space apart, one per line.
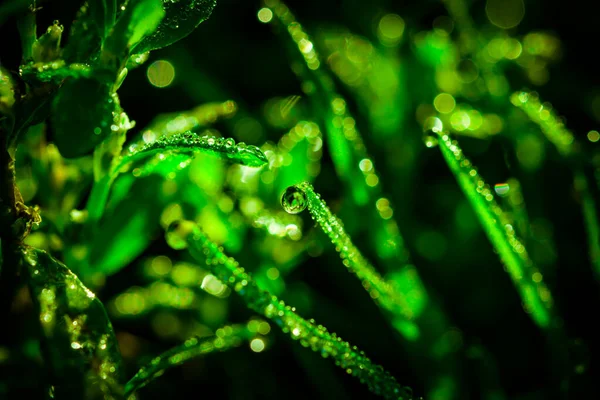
80 344
319 85
166 125
524 274
402 296
347 149
544 116
225 338
186 234
298 197
186 143
563 139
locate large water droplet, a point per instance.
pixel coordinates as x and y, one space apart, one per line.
294 200
177 234
430 138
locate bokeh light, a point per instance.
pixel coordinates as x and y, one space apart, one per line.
161 73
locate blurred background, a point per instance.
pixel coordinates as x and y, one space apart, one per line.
234 55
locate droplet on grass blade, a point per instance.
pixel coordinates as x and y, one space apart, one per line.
177 233
294 200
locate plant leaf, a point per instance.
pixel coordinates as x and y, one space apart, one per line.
130 229
82 115
140 18
229 337
181 18
191 143
92 25
80 344
184 234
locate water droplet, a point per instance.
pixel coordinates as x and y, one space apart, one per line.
229 143
430 138
177 234
294 200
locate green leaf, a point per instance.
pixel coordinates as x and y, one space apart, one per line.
82 115
140 18
91 27
181 18
130 229
191 143
79 342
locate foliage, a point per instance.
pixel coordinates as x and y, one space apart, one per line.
116 279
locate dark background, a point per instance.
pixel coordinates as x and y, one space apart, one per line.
244 59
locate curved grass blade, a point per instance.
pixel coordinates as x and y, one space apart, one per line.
181 18
187 234
301 196
527 279
181 122
226 338
186 143
563 139
588 206
80 344
191 143
543 115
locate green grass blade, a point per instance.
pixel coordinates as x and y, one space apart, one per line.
550 123
187 234
226 338
525 275
190 143
301 196
590 217
185 143
563 139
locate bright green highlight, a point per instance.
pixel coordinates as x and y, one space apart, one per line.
186 234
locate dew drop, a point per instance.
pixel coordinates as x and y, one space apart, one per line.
430 138
229 143
294 200
177 233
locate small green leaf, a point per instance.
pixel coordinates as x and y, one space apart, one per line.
181 18
140 18
47 47
189 142
79 343
92 25
130 229
82 115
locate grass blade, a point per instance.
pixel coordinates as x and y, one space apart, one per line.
298 197
524 274
226 338
187 234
